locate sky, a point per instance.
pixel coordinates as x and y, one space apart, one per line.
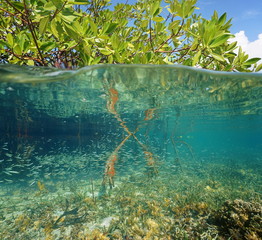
246 20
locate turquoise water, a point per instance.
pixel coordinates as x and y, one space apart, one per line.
127 152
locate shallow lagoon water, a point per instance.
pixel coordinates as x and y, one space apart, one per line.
130 152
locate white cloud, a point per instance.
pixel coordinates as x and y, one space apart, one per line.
253 49
249 14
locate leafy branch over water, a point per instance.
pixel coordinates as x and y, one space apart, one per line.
70 34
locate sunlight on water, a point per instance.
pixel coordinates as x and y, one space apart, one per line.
130 152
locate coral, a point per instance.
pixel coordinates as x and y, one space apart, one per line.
239 220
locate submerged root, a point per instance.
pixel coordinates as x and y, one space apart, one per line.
177 159
110 165
151 164
110 170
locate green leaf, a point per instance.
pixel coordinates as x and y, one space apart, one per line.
22 38
215 15
30 62
17 49
218 57
158 19
47 46
10 39
92 25
79 2
251 61
259 67
196 58
166 60
219 40
105 51
96 60
69 44
194 44
230 54
43 24
71 32
50 6
174 25
104 37
68 18
231 46
228 24
110 59
154 8
222 19
184 8
68 15
54 28
228 68
18 5
3 44
144 23
109 28
57 3
115 41
149 56
77 27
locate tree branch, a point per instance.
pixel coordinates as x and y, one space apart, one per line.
22 58
32 30
14 15
173 35
58 11
9 3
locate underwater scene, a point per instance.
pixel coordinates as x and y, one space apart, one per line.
130 152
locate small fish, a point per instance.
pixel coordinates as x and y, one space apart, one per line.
19 165
28 164
10 89
32 183
14 172
8 180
